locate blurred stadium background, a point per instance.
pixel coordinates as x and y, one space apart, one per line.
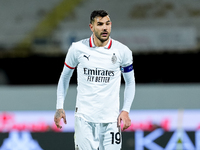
164 36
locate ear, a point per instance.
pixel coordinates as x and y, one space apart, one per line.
91 27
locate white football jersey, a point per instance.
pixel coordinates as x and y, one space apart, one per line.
99 78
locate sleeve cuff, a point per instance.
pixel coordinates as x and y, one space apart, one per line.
59 104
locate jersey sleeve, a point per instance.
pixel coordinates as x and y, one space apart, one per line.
129 92
71 59
63 85
128 74
127 58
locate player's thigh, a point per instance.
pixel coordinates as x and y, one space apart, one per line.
111 138
84 138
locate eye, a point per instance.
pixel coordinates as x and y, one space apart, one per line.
99 23
108 23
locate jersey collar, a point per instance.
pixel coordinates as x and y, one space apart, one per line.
108 45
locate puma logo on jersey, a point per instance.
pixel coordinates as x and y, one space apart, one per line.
86 56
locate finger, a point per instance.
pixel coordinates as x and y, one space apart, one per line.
124 126
64 119
57 122
127 125
119 121
58 125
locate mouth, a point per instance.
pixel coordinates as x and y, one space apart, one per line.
104 34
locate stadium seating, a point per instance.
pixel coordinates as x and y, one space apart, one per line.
18 18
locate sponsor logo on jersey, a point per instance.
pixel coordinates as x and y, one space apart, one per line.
98 72
98 75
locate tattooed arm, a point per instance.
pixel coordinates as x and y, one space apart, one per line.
63 85
60 113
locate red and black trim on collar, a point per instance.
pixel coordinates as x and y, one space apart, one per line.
69 66
108 46
90 42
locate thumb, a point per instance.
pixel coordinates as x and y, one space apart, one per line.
124 126
64 119
119 121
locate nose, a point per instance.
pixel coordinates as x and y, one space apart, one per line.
105 27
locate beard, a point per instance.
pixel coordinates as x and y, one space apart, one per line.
102 38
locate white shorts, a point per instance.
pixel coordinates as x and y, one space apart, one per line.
96 136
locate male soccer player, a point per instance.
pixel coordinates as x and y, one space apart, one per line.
100 60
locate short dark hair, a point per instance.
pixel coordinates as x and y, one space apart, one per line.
97 13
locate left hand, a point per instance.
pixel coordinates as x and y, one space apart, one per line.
124 117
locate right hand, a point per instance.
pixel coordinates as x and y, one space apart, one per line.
60 113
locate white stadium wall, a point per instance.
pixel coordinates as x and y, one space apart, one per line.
161 115
148 96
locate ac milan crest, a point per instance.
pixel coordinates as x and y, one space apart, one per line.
114 58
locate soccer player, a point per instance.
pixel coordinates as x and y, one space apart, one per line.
100 60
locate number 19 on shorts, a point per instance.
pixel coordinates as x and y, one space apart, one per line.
116 137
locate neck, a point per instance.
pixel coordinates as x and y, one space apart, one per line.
99 43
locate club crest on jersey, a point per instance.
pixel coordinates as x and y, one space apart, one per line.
114 58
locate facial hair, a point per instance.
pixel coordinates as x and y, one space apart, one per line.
99 36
